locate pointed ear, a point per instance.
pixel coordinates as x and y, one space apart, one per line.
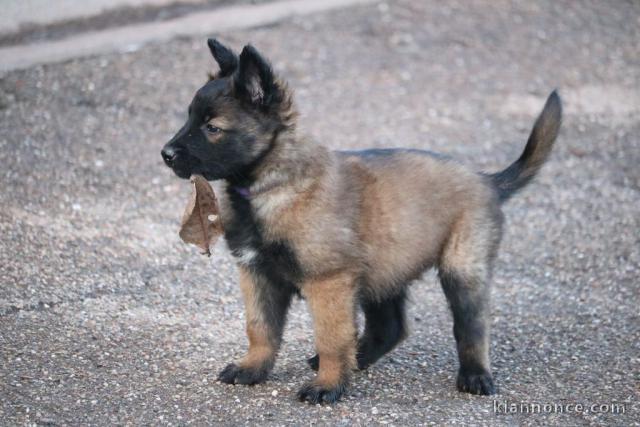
254 81
226 59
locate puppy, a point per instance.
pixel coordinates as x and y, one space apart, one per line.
343 229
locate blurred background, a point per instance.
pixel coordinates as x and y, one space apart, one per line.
106 317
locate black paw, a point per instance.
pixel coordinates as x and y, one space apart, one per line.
476 383
314 362
316 393
371 349
363 360
234 374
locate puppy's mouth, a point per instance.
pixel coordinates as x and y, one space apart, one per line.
186 172
184 165
181 173
209 177
180 163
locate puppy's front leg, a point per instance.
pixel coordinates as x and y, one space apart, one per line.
332 304
266 306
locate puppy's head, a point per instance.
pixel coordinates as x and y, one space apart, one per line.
232 120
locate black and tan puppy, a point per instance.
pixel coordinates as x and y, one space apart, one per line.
343 228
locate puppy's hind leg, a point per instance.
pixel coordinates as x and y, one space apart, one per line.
470 305
464 274
385 327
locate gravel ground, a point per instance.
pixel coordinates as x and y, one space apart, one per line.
107 318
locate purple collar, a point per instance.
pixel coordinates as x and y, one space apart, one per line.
243 191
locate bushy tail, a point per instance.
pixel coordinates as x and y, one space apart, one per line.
538 147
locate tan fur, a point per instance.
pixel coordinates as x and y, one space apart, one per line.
332 302
375 223
262 343
221 122
344 212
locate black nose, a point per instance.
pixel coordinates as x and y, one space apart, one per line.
169 155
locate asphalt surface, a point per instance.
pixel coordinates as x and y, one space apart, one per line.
107 318
18 27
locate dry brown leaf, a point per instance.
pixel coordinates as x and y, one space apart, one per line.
200 222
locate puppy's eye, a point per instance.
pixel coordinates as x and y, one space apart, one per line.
212 129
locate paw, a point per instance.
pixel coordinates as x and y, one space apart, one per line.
476 383
363 360
317 393
234 374
371 349
314 362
